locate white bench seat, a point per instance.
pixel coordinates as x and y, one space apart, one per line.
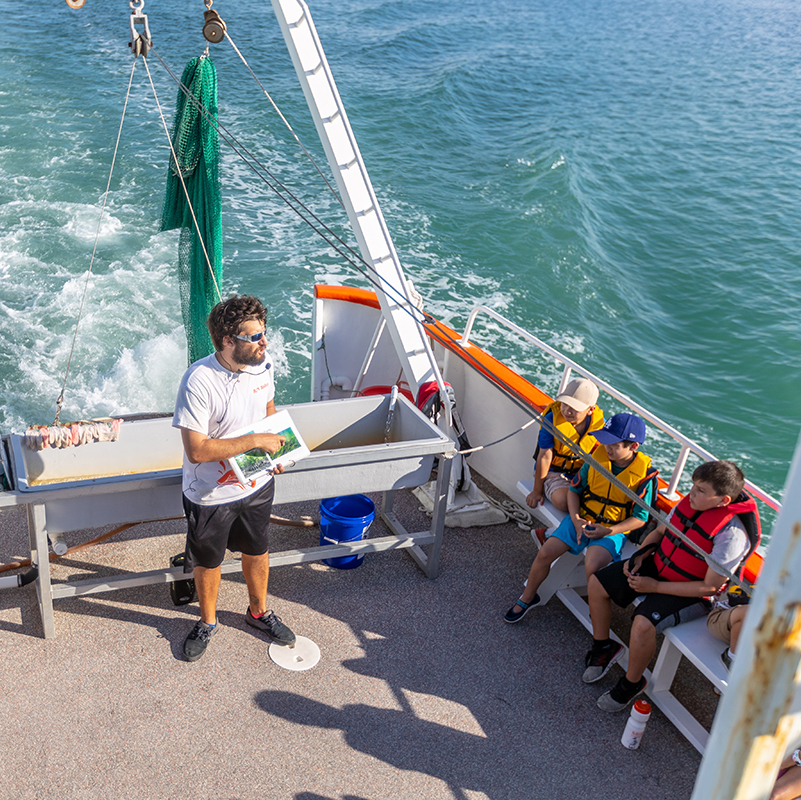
693 641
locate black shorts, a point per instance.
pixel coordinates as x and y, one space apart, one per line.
240 526
663 611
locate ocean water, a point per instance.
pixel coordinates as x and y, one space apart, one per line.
620 178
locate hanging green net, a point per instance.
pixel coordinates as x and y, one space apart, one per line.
196 144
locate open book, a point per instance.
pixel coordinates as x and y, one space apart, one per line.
254 464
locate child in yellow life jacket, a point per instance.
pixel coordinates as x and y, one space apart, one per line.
575 415
600 514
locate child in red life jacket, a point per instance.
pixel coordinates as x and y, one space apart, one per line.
717 516
575 415
600 513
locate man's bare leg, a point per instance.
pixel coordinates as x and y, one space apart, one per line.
207 583
256 570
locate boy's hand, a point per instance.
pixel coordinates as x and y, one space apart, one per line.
632 566
535 499
635 567
643 585
279 468
592 531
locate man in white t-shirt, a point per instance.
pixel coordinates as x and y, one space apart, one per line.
219 395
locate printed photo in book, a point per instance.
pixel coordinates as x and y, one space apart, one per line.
254 464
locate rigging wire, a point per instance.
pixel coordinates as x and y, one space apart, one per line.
284 119
60 401
376 280
323 231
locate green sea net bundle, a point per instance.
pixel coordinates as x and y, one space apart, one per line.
196 144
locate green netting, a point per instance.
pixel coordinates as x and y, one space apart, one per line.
196 144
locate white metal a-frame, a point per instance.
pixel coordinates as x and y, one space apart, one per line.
356 191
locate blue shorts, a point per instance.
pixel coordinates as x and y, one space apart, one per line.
567 533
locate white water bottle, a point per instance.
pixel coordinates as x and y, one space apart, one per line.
635 727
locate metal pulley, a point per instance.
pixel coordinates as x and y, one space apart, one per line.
140 42
213 27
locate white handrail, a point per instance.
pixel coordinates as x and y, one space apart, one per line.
687 445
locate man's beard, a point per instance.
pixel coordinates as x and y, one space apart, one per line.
244 355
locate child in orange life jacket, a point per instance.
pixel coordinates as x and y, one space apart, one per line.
575 415
717 516
600 513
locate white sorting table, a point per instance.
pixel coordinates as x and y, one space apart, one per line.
81 487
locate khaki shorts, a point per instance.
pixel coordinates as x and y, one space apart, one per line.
554 481
719 624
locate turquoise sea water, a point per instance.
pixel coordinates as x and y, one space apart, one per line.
620 178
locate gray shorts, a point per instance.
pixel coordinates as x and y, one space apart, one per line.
554 481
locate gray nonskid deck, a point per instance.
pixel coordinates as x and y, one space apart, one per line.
422 690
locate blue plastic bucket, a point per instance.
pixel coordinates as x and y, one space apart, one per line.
345 519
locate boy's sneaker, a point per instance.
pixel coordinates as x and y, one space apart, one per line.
599 661
726 659
198 640
272 626
619 697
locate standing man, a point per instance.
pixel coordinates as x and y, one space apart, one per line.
220 394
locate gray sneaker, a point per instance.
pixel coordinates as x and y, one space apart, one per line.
198 640
272 626
619 697
726 659
599 661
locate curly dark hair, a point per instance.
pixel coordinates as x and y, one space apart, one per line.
227 317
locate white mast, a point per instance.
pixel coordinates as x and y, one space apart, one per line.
760 715
357 192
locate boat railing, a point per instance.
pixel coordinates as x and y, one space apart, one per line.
686 445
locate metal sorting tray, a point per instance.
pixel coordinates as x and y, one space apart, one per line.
346 438
349 454
146 448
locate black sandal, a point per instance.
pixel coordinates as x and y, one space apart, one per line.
515 616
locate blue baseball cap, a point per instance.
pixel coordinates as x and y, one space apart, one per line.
621 428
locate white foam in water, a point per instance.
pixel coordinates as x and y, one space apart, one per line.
568 342
129 332
83 223
144 377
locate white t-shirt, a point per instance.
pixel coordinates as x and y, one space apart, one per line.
729 545
216 402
